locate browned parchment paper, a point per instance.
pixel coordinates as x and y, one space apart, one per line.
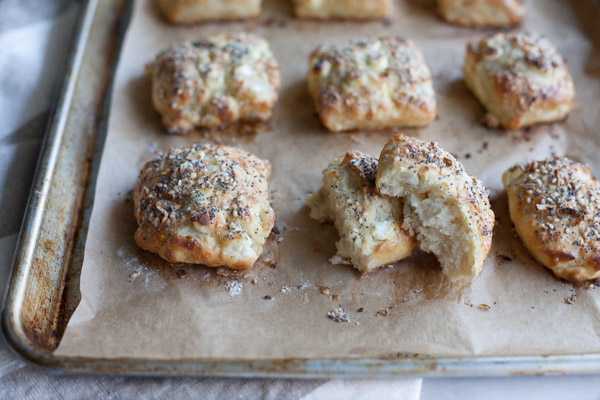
135 305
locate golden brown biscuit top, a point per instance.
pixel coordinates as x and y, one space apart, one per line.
393 64
562 198
521 55
213 60
222 75
204 184
429 159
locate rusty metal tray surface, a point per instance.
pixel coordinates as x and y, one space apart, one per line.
44 287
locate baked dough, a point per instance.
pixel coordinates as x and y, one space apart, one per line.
343 9
520 79
190 11
490 13
555 206
371 84
213 82
370 226
205 204
444 207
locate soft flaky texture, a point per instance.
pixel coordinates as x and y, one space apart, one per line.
370 226
555 206
205 204
343 9
520 78
213 82
190 11
492 13
371 84
446 208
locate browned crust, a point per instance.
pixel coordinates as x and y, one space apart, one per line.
347 92
555 206
177 12
512 9
356 6
183 249
510 93
185 100
206 204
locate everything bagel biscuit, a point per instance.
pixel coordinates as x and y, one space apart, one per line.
205 204
555 206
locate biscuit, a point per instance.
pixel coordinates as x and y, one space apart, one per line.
371 84
555 207
490 13
520 79
190 11
369 225
445 208
205 204
343 9
213 82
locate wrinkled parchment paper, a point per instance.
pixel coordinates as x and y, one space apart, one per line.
136 305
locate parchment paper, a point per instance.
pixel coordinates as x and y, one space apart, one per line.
135 305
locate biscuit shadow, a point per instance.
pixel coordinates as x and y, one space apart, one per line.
139 92
154 10
414 279
122 222
587 14
296 107
420 278
277 8
458 99
506 243
424 9
314 238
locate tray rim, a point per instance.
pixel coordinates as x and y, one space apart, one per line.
279 368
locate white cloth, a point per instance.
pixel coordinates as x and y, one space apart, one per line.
34 39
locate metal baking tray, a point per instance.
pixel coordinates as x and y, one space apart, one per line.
43 290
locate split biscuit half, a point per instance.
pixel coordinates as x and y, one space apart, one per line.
445 207
369 225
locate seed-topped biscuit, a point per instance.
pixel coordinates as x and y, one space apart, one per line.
555 206
520 78
444 207
205 204
492 13
213 82
343 9
371 84
190 11
370 225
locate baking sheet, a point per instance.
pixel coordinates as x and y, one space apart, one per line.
135 305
